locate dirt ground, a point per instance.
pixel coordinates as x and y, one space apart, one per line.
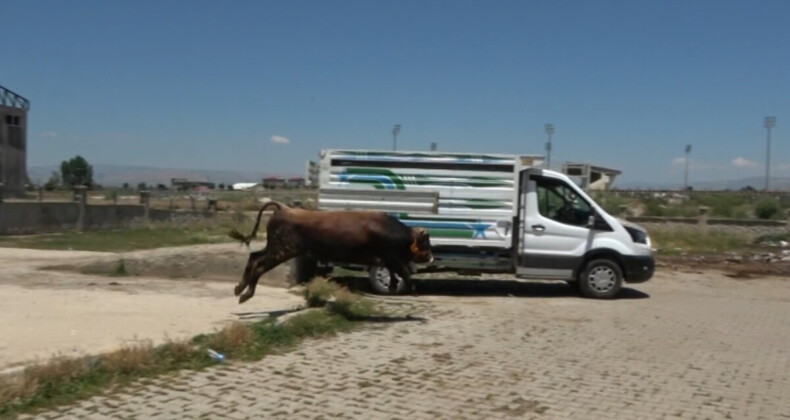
754 265
58 310
691 343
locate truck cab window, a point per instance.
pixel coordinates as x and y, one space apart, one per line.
559 202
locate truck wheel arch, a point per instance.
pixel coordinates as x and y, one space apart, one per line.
605 253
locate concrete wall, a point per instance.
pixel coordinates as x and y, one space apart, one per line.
20 218
111 216
36 217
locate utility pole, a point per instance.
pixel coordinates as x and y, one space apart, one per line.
395 132
769 123
549 131
686 177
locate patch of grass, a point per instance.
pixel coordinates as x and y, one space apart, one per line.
773 237
319 291
65 380
351 305
693 241
158 235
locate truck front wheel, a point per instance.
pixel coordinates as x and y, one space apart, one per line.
601 279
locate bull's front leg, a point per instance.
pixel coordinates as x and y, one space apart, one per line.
393 280
399 270
405 275
254 257
260 266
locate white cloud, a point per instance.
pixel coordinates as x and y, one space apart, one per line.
742 162
280 139
680 162
49 134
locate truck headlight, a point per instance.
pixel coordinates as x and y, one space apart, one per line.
637 235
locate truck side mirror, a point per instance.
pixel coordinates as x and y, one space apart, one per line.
591 221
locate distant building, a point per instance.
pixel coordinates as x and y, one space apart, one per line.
13 141
311 174
183 184
295 182
591 177
273 182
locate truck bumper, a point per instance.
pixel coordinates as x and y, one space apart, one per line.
638 268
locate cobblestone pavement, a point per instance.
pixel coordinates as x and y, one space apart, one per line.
685 345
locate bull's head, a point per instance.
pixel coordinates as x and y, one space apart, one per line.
421 246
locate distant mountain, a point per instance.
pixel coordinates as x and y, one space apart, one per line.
777 183
117 175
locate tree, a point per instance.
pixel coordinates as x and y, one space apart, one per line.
125 185
141 186
222 186
76 171
53 182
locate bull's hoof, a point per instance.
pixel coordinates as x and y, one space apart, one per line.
238 289
245 297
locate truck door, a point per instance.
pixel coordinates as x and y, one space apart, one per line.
553 224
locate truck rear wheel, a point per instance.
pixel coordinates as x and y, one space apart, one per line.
380 282
601 279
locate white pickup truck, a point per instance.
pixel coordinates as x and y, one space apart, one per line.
491 213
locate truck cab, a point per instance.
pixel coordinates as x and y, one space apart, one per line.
564 234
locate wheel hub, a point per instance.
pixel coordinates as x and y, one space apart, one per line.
602 279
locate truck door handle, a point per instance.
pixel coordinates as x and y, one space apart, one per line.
539 228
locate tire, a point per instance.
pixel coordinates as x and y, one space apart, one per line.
380 282
303 269
601 279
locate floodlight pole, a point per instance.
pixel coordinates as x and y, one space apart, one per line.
686 176
395 132
549 130
769 123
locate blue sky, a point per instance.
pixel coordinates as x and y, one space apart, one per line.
214 85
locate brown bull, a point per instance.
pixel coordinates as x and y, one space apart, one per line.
353 237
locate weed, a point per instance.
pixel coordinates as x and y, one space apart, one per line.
319 291
120 270
351 306
233 340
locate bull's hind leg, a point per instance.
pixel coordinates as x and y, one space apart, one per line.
254 256
260 266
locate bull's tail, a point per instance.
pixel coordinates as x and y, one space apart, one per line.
235 234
